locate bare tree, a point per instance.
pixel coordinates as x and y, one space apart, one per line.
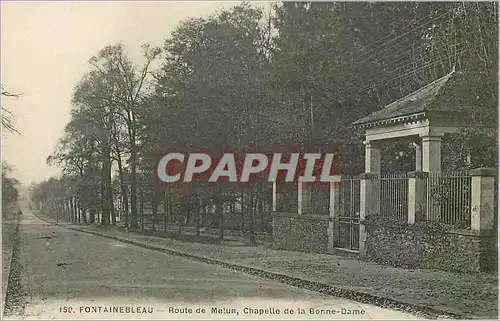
7 116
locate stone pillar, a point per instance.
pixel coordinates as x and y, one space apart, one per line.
369 205
275 191
416 196
372 158
335 189
304 198
431 153
482 199
418 158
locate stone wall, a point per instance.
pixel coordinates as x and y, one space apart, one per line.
430 246
296 232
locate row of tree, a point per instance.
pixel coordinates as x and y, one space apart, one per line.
246 78
10 193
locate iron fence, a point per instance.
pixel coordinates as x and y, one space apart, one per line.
394 196
449 198
348 224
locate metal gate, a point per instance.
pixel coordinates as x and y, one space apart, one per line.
348 223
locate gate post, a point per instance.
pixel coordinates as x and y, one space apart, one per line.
335 189
275 190
304 198
482 199
368 205
416 196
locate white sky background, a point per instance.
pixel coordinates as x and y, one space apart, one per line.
45 47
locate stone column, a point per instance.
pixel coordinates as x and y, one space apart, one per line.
431 153
416 196
418 157
372 158
369 205
335 189
482 199
304 198
275 191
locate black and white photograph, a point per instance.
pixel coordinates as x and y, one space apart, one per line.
249 160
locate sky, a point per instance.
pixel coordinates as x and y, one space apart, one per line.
45 48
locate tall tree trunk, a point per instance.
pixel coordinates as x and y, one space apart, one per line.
77 209
84 214
68 210
261 215
155 206
71 209
123 187
141 209
197 209
181 216
165 208
109 189
243 204
220 213
204 212
104 199
251 208
92 214
65 208
187 216
133 184
171 214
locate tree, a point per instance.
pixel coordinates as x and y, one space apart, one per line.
106 104
130 89
473 32
78 154
7 117
10 192
338 62
211 89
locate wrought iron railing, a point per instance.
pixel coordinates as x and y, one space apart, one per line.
348 220
394 196
448 198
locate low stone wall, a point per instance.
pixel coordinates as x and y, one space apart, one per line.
430 246
296 232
